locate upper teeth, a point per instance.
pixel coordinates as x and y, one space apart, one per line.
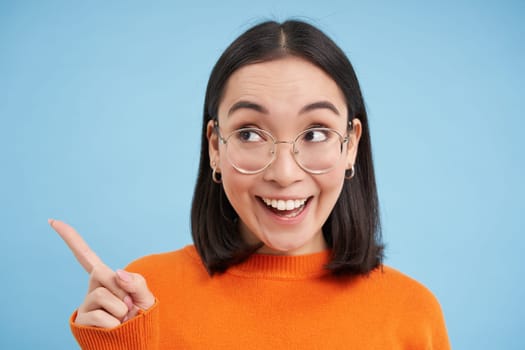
280 204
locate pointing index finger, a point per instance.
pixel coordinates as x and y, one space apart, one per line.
85 256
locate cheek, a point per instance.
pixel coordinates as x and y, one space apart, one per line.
236 186
331 184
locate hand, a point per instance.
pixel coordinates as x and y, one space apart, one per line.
113 297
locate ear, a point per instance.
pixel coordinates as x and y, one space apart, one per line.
353 142
213 144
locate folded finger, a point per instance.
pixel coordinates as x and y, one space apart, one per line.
97 318
102 298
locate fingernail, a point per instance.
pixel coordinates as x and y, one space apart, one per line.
123 275
129 303
50 221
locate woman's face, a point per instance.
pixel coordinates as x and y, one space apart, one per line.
283 96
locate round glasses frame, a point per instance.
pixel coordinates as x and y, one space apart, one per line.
274 142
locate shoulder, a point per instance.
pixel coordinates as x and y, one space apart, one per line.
404 290
399 282
413 305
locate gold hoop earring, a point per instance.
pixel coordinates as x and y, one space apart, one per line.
352 173
214 177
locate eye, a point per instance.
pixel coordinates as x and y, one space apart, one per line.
316 135
250 135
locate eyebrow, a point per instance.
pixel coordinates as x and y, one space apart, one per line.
319 105
247 105
258 108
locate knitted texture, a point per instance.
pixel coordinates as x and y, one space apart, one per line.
273 302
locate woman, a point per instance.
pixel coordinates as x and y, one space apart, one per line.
285 222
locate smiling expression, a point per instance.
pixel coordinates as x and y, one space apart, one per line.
283 206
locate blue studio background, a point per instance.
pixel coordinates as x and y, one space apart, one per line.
100 111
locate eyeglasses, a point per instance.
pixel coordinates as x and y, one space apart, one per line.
251 150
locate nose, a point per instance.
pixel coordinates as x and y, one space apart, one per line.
284 170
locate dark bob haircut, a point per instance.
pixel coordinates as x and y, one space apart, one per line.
352 230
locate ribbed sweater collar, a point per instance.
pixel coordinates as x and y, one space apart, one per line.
283 267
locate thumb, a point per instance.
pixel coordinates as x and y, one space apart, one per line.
136 286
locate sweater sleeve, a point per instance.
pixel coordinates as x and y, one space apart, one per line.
139 333
437 337
428 329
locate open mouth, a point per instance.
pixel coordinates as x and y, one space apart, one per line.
285 208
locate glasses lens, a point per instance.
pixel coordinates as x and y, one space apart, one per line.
318 150
250 150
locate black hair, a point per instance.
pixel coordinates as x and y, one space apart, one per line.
352 230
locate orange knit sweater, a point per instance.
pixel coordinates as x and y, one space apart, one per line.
273 302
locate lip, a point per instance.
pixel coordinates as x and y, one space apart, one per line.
284 198
281 219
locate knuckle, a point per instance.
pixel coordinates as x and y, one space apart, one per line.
100 293
84 307
102 319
